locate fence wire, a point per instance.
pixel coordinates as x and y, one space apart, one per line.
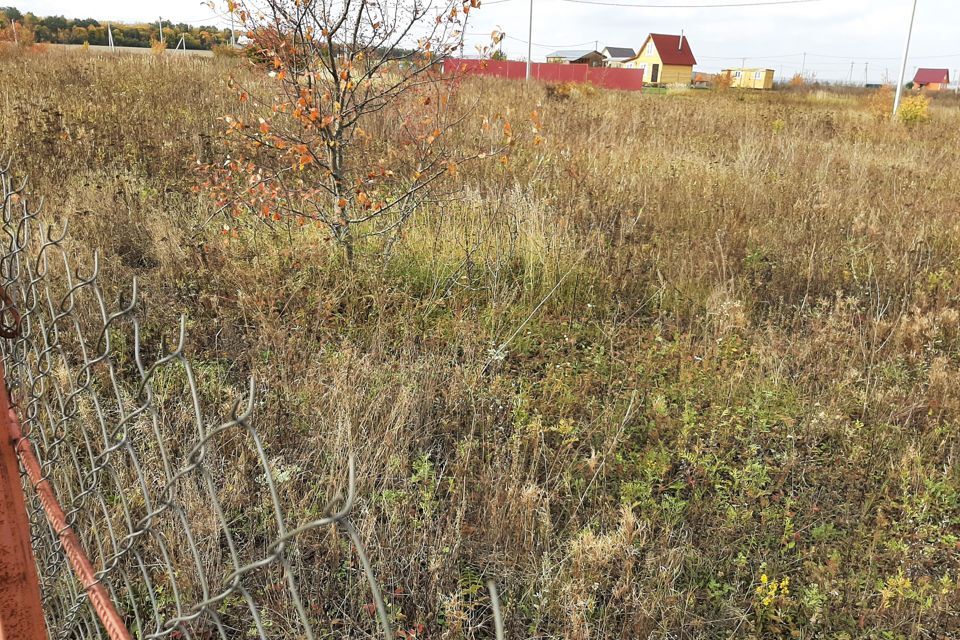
137 463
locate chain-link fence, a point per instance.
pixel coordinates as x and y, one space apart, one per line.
136 528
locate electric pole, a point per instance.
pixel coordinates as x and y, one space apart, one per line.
530 44
160 27
903 65
850 79
233 33
803 67
110 44
866 73
16 39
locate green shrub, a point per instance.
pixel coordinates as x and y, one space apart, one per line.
915 109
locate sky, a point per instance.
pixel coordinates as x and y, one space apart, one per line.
870 34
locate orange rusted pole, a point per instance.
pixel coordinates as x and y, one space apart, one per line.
82 567
21 612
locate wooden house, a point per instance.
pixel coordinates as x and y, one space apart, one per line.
616 56
664 59
932 79
576 56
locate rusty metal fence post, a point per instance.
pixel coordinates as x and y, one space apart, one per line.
21 611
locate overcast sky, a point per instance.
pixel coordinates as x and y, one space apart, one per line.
833 33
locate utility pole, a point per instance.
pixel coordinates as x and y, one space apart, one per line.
160 27
803 67
110 44
850 79
866 73
16 39
903 65
530 44
233 33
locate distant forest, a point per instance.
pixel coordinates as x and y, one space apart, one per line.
60 30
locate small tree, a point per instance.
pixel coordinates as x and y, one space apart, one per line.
723 80
914 109
14 31
351 130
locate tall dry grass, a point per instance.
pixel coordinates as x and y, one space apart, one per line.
689 347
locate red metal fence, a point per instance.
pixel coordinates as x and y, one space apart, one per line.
608 78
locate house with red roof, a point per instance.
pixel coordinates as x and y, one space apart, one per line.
664 59
932 79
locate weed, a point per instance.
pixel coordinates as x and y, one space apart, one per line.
775 303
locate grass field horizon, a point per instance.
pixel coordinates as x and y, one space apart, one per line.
687 368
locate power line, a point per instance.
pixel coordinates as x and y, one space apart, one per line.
692 6
552 46
536 44
782 55
858 58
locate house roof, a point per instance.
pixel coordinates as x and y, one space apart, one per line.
572 54
617 53
673 49
932 76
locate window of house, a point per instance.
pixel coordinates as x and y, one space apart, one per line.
758 75
737 74
649 48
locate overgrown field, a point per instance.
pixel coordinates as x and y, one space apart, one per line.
687 369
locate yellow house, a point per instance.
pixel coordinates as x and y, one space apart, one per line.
664 59
750 78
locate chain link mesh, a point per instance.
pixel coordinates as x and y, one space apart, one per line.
137 463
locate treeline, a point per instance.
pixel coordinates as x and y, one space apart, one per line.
60 30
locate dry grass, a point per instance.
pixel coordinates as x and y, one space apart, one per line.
745 364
